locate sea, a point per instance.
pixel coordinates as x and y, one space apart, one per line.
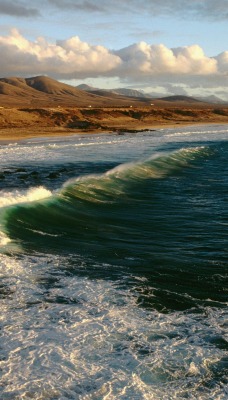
113 263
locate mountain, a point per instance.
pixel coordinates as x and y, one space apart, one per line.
119 91
15 87
141 95
88 88
46 92
131 93
42 91
51 86
212 99
179 98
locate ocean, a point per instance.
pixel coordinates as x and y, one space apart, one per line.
113 261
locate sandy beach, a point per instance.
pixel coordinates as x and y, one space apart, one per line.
23 123
42 106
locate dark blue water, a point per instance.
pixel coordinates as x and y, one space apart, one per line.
114 266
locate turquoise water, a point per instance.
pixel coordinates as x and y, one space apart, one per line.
114 264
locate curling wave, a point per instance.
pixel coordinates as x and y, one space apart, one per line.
119 180
96 209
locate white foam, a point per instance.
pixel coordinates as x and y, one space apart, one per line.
18 196
98 344
66 336
4 240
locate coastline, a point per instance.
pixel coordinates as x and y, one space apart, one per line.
25 123
8 135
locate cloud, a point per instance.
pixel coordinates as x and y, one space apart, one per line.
78 5
176 89
17 9
197 9
222 60
139 63
159 60
209 9
66 59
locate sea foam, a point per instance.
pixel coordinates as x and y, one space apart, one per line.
4 240
18 196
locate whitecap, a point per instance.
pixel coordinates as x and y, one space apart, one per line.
20 196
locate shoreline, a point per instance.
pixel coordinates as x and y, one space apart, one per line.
25 123
12 135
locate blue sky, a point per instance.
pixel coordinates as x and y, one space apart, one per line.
160 46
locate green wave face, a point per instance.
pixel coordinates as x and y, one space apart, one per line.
151 217
98 208
114 284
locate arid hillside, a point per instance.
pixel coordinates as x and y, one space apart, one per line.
110 118
42 91
41 105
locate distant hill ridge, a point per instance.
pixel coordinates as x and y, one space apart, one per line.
25 91
187 99
140 94
122 91
47 92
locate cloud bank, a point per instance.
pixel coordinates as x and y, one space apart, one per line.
209 9
17 9
139 62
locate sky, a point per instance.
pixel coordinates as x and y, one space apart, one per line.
164 47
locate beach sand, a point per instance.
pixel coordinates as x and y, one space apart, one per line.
23 123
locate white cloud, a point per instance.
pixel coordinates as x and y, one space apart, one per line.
140 62
159 60
65 59
81 57
222 60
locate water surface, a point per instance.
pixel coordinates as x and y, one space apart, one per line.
113 266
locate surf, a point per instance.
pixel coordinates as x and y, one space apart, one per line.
113 283
15 197
117 185
103 214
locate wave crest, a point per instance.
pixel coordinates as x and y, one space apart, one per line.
16 196
108 187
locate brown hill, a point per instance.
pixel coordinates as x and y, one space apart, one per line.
48 85
18 82
16 88
178 98
47 92
41 105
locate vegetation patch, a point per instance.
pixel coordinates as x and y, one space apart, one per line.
185 113
220 111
